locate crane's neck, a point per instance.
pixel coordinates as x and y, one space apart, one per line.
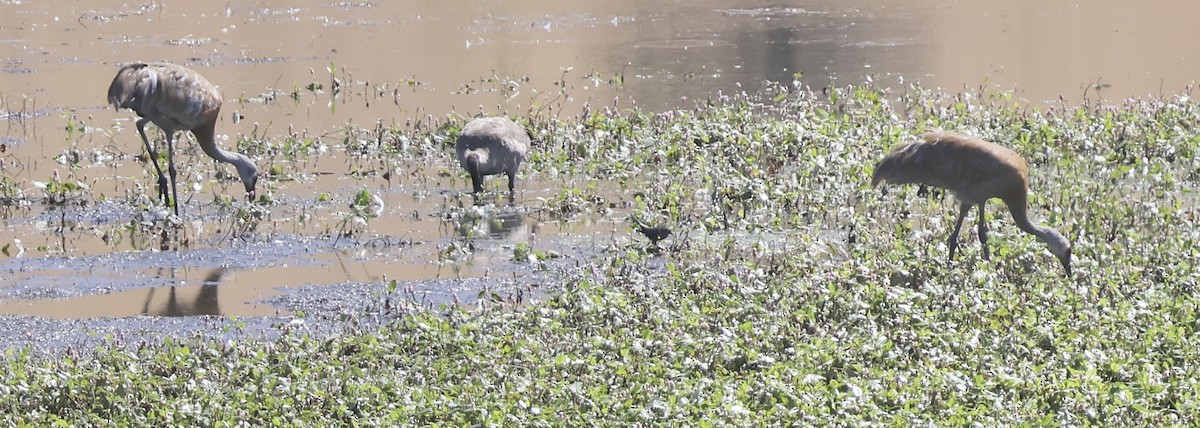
205 136
245 167
1059 245
1018 208
474 166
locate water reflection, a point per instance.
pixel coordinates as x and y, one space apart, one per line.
506 224
203 302
499 224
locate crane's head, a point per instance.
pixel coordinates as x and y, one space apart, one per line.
1060 247
248 172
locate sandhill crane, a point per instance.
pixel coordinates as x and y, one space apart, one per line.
490 146
974 171
176 99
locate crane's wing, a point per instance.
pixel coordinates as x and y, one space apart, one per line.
185 96
172 96
974 167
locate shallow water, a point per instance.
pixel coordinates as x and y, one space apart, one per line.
277 64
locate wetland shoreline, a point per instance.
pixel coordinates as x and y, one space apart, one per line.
791 293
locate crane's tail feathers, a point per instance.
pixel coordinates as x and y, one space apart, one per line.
877 178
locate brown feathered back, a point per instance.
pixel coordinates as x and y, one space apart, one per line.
972 169
174 97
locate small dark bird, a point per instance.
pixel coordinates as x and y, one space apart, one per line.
973 171
490 146
654 233
176 98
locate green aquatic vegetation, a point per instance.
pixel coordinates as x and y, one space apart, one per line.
793 293
572 201
77 131
11 193
59 192
522 252
364 206
292 148
246 218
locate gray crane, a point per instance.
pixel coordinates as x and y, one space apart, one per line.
176 98
490 146
973 171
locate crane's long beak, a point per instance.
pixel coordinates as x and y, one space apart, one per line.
1066 262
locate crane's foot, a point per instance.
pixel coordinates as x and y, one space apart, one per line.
163 192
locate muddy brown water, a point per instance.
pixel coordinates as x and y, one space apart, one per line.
400 61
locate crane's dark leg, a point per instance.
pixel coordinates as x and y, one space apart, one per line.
162 179
171 169
953 242
983 232
512 179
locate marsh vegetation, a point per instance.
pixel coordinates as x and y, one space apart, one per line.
790 292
